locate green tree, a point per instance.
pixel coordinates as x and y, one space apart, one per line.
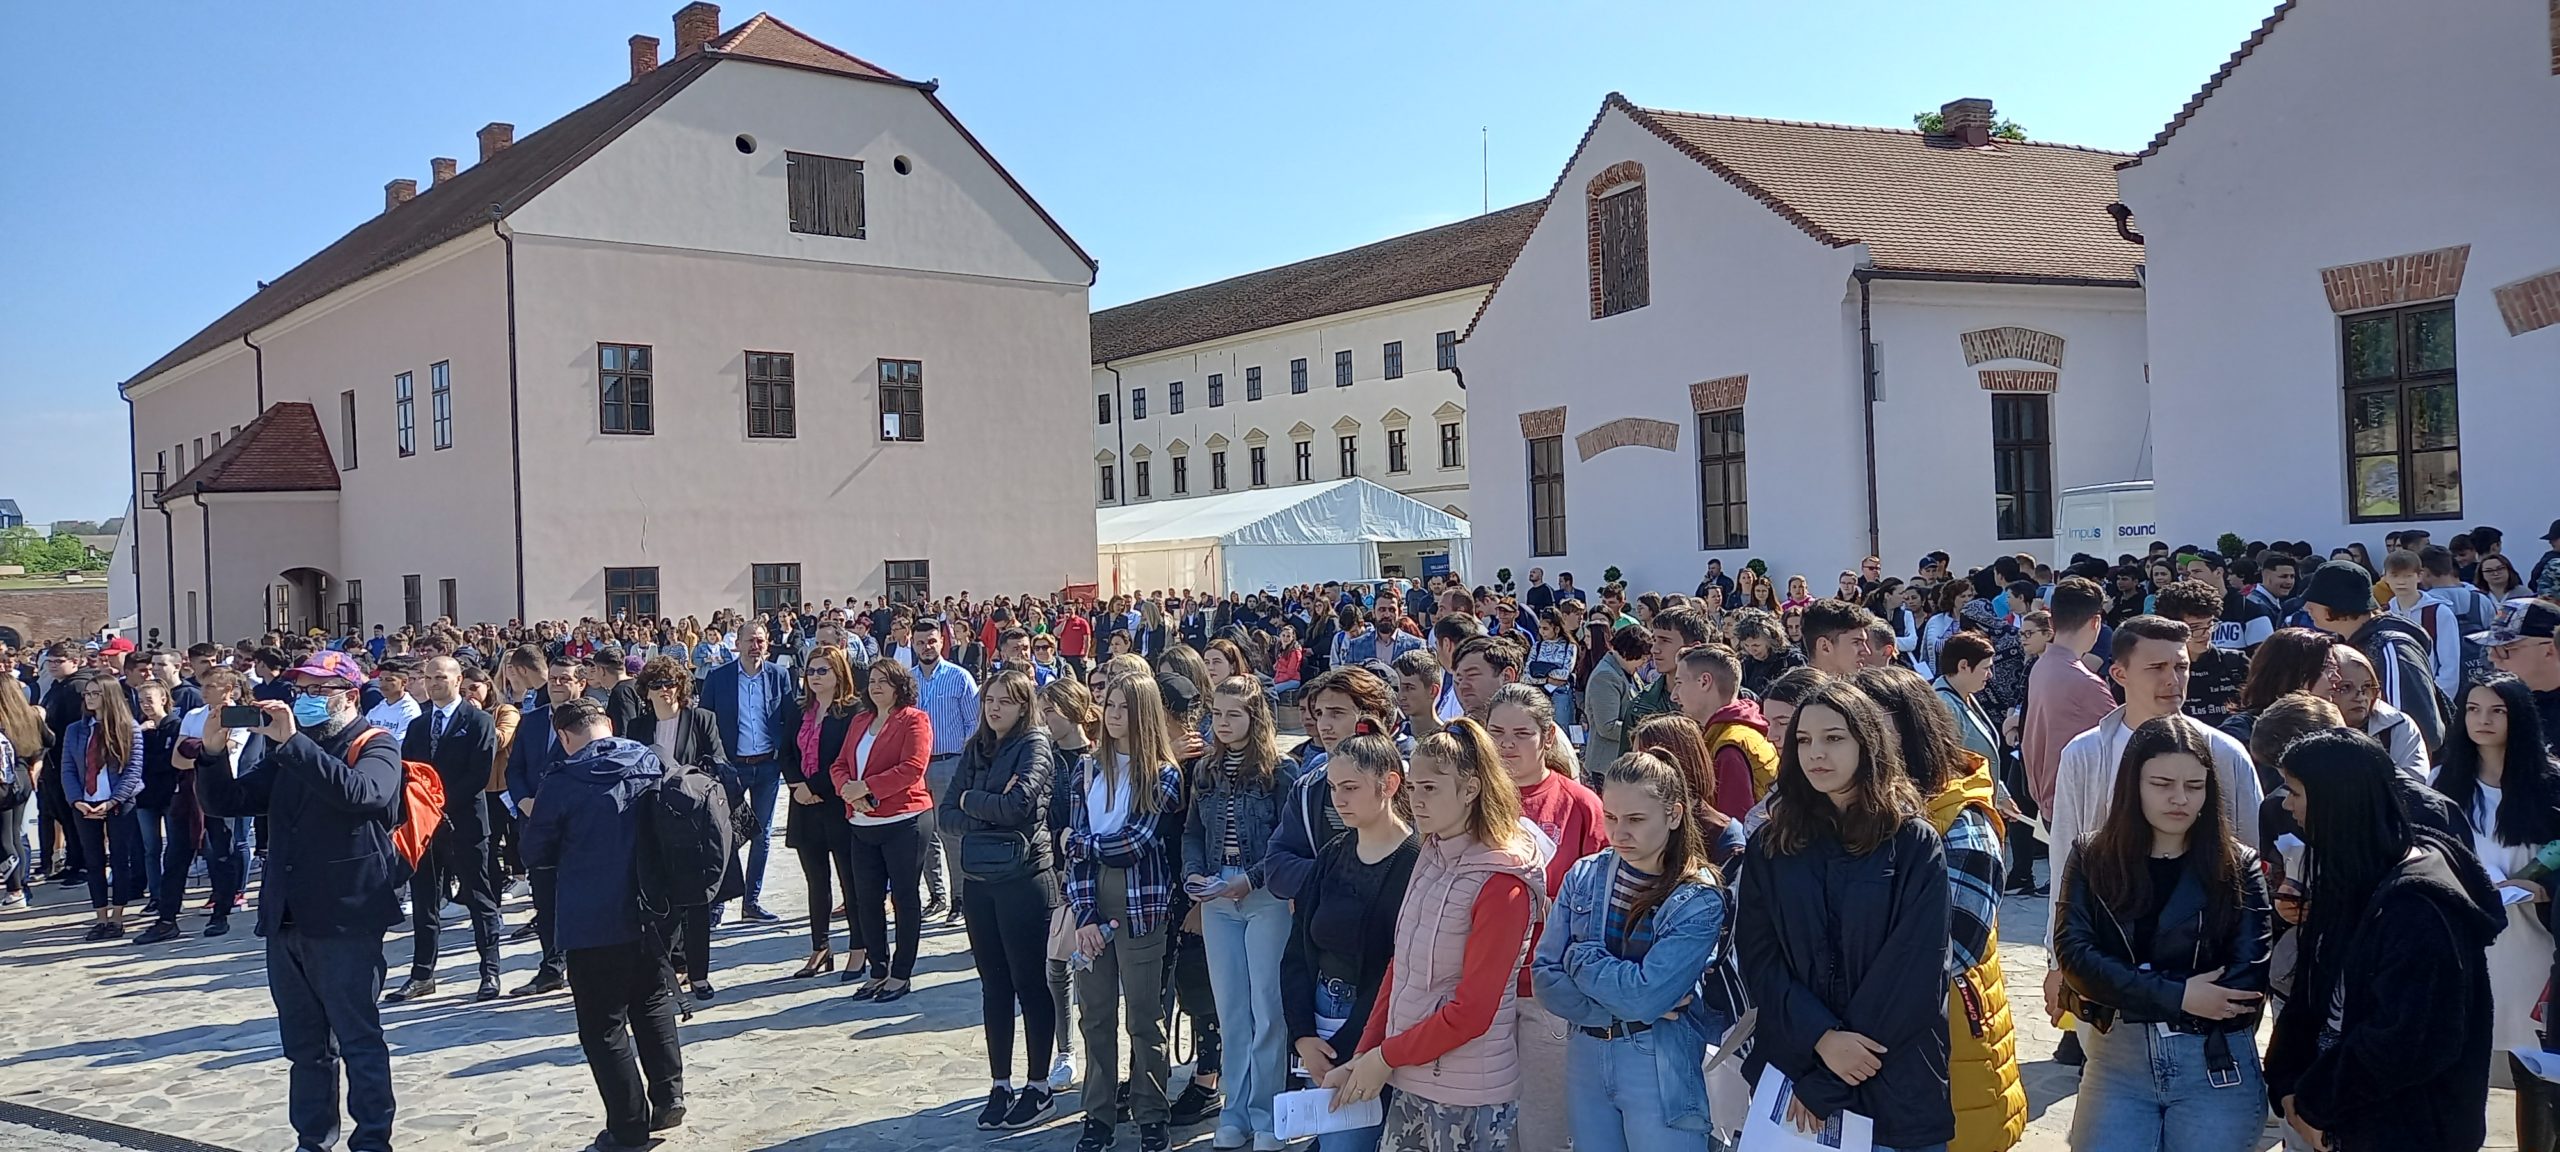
1935 124
41 554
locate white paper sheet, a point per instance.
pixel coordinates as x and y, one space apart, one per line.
1769 1130
1309 1112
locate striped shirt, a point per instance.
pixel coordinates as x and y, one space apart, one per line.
1627 941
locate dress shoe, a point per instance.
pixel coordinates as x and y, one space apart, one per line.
757 913
671 1116
412 989
703 991
488 989
522 934
218 926
542 982
887 993
158 932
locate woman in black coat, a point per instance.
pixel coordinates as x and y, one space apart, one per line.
817 827
683 732
997 807
1842 929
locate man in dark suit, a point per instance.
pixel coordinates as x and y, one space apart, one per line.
461 740
330 784
532 757
760 726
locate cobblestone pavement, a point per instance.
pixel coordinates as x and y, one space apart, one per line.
178 1039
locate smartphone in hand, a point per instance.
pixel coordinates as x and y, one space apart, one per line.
243 716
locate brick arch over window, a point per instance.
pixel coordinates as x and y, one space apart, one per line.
1626 432
2012 343
1615 217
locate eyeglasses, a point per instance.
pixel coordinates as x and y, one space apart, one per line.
321 691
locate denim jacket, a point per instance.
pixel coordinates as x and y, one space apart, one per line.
1577 978
1255 811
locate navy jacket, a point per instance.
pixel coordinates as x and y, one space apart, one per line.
781 706
533 756
588 827
330 869
463 758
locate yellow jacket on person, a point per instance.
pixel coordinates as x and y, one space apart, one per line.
1739 725
1982 1050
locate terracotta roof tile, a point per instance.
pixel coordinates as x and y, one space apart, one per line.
282 450
2213 83
766 37
1465 254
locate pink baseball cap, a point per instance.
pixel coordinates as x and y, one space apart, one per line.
328 664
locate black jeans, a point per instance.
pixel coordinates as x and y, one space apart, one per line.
459 852
625 998
690 949
826 861
113 847
226 859
326 991
888 867
546 922
1008 922
55 817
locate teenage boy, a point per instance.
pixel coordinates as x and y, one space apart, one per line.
2339 600
1674 630
2064 697
2243 624
1708 686
2216 675
1835 636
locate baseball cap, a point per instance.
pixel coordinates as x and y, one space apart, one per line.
2553 533
1180 695
2523 618
118 644
328 664
2340 587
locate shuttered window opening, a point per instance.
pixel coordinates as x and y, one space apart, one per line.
826 195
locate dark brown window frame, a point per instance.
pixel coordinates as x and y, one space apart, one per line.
1723 451
2402 386
1252 384
903 398
1399 460
1445 350
1622 254
626 403
404 408
1392 357
821 203
440 402
1218 471
638 594
772 586
1261 466
773 378
1181 475
1305 458
910 581
2021 459
1546 496
1347 455
1453 445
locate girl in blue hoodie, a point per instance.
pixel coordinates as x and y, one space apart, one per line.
102 773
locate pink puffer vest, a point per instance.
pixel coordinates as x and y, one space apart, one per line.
1431 942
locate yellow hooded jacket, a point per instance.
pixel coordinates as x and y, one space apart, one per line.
1982 1055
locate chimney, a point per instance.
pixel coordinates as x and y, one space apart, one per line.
494 139
696 24
443 167
644 55
398 192
1968 120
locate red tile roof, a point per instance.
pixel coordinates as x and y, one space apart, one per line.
2214 83
766 37
280 451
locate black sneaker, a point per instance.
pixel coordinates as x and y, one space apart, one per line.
159 931
1197 1104
1031 1106
1099 1134
218 926
1154 1138
2068 1052
999 1105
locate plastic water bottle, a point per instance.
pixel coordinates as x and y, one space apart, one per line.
1077 961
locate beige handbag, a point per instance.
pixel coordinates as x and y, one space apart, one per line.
1062 932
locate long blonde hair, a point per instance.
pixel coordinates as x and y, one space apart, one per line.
21 723
1148 744
1468 754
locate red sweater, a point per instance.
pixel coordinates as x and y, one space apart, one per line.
1494 928
1569 814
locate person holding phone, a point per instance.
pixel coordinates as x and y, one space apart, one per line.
2163 945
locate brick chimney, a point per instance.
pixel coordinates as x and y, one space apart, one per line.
443 168
644 55
696 24
398 192
1968 120
494 139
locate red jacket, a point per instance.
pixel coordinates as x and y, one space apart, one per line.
896 776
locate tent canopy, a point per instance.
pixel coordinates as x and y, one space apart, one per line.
1335 512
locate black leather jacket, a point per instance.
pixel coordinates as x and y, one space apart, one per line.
2093 945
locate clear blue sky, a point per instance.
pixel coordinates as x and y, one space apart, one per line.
156 159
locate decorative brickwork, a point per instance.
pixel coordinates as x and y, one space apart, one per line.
2017 380
1627 431
2395 280
1622 172
2012 343
1610 179
2533 302
1722 394
1541 423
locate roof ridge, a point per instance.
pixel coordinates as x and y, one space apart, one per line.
1838 127
1279 268
728 44
2212 83
793 29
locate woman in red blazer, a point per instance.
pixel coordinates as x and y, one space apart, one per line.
880 774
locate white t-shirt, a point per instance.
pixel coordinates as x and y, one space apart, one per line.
862 771
1106 810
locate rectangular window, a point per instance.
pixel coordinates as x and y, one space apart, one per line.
1217 390
1724 493
1181 475
1173 398
191 617
2404 439
1452 446
1260 463
1137 403
902 400
1306 457
910 581
1395 450
1252 385
346 433
623 407
776 586
1348 456
1342 369
1110 485
199 450
404 406
354 607
440 398
1447 345
1138 479
1394 358
1102 408
1217 471
448 599
1546 496
217 441
826 194
2022 465
413 600
1297 376
772 410
1623 279
630 593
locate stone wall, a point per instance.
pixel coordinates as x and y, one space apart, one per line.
38 615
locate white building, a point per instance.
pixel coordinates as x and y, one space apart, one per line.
1695 269
2353 245
674 352
1339 366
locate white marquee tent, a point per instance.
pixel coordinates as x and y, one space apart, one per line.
1271 538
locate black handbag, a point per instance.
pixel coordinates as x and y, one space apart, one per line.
990 855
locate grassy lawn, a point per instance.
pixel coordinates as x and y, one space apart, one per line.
23 583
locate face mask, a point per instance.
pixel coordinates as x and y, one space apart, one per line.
310 711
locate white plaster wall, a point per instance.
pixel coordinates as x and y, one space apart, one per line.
1734 289
194 400
1422 394
2360 129
257 537
677 180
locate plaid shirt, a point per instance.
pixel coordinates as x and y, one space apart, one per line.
1136 848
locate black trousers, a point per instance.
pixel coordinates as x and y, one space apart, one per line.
689 948
117 838
826 862
546 925
888 870
459 854
328 1016
1008 923
54 817
626 1005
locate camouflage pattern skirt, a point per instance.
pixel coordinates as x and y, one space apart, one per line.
1418 1125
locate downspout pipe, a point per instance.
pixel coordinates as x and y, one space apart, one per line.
1120 431
1867 405
260 370
207 510
515 411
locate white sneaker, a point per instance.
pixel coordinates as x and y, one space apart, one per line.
1266 1142
1062 1075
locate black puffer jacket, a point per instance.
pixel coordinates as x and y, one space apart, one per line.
2093 945
1007 791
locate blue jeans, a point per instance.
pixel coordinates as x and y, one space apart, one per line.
1563 698
764 786
327 1017
1613 1097
1243 940
226 859
2145 1091
159 832
1335 1000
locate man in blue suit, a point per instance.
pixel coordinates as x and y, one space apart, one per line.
533 756
760 725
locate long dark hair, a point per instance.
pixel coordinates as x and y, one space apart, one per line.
1926 731
1684 855
1884 799
2529 790
2115 856
2292 660
1677 738
2357 834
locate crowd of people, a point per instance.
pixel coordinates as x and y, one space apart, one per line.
1551 867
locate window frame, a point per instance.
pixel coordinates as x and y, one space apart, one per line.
1137 404
1724 452
1445 350
777 374
1217 389
440 403
1218 470
1453 445
1260 461
1253 384
905 395
1182 475
1622 267
1173 398
2402 386
774 585
638 595
809 199
1343 369
1547 535
347 429
636 408
413 600
1142 479
1110 476
2018 461
404 407
913 578
1298 376
1399 461
1101 409
449 598
1392 356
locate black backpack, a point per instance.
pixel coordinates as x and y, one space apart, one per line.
17 778
687 834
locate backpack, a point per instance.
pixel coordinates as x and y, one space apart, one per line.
2397 644
2465 621
17 782
421 804
686 835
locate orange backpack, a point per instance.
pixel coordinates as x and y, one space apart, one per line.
421 808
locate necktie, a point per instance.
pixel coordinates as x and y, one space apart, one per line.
435 731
